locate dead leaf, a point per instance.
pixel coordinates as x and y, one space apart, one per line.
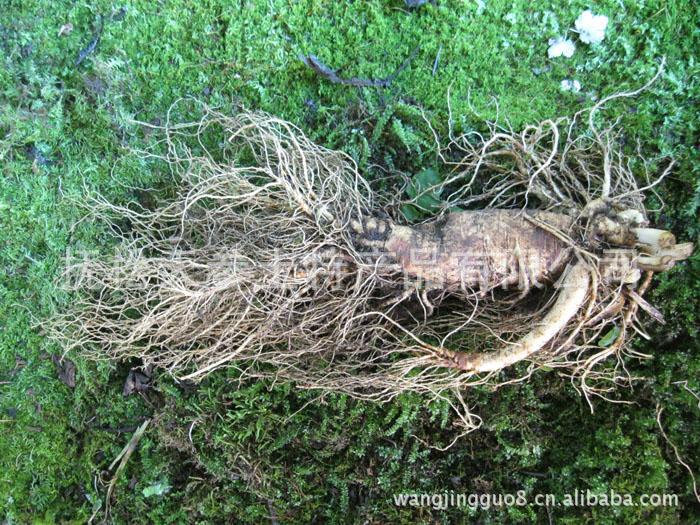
66 29
65 369
90 48
136 382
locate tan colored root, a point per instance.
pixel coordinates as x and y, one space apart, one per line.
254 265
659 239
246 267
574 288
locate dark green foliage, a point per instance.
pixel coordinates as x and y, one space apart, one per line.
258 449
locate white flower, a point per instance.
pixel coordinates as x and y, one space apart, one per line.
591 28
560 47
571 85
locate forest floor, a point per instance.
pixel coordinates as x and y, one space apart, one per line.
73 78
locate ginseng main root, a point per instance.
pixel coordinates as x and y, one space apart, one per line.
276 257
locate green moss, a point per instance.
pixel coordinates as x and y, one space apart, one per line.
258 448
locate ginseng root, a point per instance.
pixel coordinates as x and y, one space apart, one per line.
276 257
574 289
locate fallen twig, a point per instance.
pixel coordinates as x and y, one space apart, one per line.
122 459
330 74
437 61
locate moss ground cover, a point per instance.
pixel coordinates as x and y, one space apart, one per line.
230 451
